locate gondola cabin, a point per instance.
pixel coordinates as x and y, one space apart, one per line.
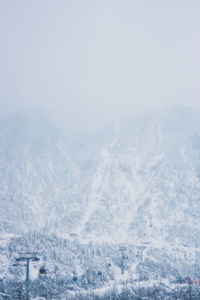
42 271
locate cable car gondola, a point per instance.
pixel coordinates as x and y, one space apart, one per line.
74 278
42 271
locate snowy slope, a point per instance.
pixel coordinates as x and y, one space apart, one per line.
139 182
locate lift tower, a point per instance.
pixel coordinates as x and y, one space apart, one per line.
27 259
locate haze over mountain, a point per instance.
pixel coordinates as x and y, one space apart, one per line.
139 181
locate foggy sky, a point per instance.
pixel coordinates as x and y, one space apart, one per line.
95 62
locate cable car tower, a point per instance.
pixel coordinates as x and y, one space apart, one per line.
27 258
123 257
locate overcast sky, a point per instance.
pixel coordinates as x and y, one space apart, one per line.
95 62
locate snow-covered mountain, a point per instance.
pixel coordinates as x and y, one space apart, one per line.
139 181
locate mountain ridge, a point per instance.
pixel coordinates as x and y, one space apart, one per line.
136 182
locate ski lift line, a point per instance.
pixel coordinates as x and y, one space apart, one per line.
28 253
166 246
